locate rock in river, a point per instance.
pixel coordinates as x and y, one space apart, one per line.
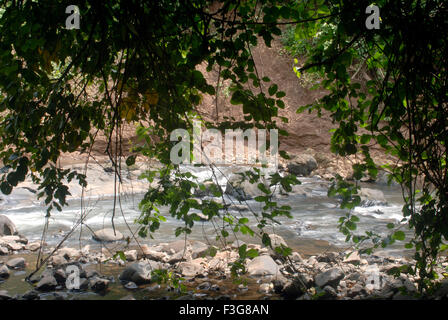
47 283
372 197
16 263
261 266
242 189
4 272
107 234
190 269
330 277
139 272
7 227
98 284
302 165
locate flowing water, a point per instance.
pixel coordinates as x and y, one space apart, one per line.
313 228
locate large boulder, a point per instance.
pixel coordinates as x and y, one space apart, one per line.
4 272
302 165
60 275
3 251
47 283
16 263
262 266
176 246
153 254
353 258
198 249
14 238
7 227
276 241
107 234
131 255
294 289
69 253
98 284
331 277
57 260
33 246
139 272
179 250
14 246
372 197
190 269
243 189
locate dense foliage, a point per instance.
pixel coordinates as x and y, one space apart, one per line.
132 61
140 60
402 108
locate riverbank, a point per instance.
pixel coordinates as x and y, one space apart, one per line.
206 274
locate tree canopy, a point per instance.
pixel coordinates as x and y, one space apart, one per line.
403 109
142 58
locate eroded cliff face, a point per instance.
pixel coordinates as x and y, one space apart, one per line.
308 133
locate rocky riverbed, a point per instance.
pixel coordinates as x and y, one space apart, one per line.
111 267
205 271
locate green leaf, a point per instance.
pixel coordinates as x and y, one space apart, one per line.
284 154
280 94
242 251
365 138
243 220
263 188
399 235
246 230
252 253
266 240
5 187
260 198
280 104
273 89
130 161
237 98
12 179
266 79
351 225
121 255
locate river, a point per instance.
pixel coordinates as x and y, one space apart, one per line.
313 228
